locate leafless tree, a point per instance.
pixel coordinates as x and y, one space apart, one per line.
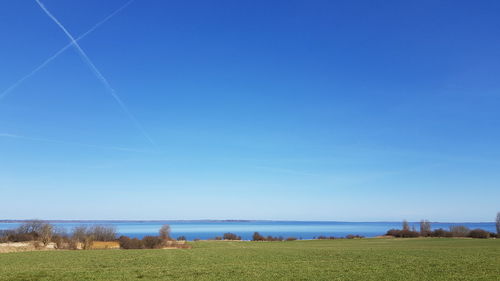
81 234
165 232
31 227
45 234
425 228
36 230
103 233
459 231
406 226
498 224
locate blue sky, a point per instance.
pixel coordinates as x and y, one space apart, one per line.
295 110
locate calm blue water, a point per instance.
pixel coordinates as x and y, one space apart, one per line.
298 229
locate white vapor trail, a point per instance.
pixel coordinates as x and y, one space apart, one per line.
13 136
47 61
96 71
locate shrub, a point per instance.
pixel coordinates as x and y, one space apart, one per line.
479 233
321 237
37 245
73 244
4 236
257 237
291 239
84 236
459 231
45 234
231 236
127 243
152 242
351 236
271 238
60 238
405 233
181 238
394 232
59 241
441 233
87 243
409 234
20 237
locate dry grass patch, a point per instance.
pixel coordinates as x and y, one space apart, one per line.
99 245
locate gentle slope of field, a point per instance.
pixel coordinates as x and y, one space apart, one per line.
365 259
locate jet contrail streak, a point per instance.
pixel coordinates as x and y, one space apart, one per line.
13 136
96 71
47 61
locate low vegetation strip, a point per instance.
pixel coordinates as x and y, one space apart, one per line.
41 235
339 259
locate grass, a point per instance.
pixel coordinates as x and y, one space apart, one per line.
364 259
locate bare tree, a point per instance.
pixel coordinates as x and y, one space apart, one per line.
425 228
31 227
103 233
60 237
165 232
36 230
81 234
459 231
406 226
498 224
45 234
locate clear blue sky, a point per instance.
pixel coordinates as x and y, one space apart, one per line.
305 110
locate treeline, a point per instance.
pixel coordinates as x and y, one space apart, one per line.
454 231
257 237
83 237
349 236
43 233
228 236
163 240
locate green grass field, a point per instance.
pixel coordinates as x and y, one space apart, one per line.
364 259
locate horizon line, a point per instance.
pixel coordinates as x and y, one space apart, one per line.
221 220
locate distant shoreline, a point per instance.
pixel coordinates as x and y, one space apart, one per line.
217 221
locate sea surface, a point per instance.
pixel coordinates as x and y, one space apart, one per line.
210 229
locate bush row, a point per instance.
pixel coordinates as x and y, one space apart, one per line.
44 233
82 237
349 236
425 231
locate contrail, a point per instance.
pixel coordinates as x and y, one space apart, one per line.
13 136
47 61
96 71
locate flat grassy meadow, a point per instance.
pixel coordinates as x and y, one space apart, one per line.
343 259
